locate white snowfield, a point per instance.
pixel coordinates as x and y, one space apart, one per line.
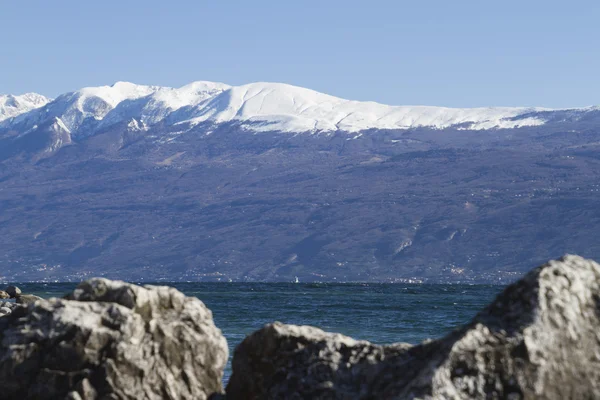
256 106
11 106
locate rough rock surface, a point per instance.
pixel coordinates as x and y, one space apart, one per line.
7 307
27 299
4 295
13 291
112 340
540 338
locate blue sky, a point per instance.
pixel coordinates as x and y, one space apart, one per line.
447 53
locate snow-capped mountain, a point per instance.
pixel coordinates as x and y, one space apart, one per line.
280 107
12 106
176 183
256 106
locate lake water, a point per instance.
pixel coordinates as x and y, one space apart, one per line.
380 313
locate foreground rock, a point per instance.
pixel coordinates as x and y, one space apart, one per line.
540 338
9 304
27 299
13 291
21 300
112 340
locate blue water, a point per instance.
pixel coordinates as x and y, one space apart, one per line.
380 313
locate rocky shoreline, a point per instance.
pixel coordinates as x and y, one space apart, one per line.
540 338
20 300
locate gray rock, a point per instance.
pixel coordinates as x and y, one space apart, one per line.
4 295
112 340
13 291
5 311
27 299
11 305
540 338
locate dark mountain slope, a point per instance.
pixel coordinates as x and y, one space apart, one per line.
386 206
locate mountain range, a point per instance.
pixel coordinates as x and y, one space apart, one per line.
269 181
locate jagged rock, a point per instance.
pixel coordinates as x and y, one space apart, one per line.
27 299
112 340
13 291
540 338
6 308
8 304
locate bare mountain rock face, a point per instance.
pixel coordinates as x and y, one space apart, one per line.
112 340
539 339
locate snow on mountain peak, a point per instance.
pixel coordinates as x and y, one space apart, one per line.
282 107
260 106
188 95
116 93
87 100
12 106
83 107
162 102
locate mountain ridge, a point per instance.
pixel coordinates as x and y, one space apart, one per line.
260 107
194 184
14 105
